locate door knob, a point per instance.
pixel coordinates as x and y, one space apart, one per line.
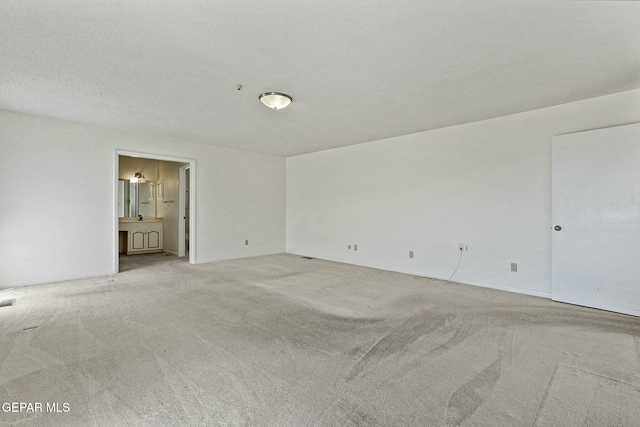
557 228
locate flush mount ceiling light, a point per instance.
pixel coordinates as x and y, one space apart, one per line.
275 100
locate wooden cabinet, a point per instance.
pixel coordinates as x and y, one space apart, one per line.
142 236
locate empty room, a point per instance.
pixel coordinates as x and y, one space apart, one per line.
414 213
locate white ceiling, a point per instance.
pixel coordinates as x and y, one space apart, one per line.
357 71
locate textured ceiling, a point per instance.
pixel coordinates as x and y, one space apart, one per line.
357 71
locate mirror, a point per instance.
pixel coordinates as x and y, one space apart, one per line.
136 198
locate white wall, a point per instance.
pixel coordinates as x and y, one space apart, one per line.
486 184
57 195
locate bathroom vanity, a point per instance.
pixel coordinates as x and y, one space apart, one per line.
138 237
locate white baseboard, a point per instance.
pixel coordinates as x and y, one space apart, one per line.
436 276
598 305
239 257
54 279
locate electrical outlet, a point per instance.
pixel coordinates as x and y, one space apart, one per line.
461 246
246 243
355 247
514 267
349 247
410 254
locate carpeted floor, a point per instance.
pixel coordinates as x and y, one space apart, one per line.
282 340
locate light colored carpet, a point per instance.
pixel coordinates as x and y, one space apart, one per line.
281 340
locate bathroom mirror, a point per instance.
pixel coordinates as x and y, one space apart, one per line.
136 198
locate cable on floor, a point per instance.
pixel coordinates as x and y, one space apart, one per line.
457 267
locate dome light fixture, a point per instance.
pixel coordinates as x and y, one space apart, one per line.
275 100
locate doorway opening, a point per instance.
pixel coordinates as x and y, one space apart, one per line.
154 208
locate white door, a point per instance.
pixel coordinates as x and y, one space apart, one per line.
596 219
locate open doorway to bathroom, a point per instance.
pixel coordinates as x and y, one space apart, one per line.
154 212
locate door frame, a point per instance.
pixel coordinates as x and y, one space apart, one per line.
182 177
192 199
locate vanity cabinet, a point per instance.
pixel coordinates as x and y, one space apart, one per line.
142 236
